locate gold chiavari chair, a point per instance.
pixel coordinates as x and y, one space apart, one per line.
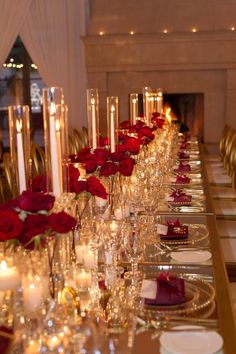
72 145
85 135
8 176
38 160
78 140
226 132
228 148
218 172
216 159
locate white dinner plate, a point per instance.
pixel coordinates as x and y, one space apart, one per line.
191 342
191 256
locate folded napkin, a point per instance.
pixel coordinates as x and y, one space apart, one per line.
178 196
182 179
170 290
183 155
174 231
182 168
184 145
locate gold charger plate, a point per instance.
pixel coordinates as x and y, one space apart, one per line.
200 298
197 233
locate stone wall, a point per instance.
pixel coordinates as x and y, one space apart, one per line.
179 61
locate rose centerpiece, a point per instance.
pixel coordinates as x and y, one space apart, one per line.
29 221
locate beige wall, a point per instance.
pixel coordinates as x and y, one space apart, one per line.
179 62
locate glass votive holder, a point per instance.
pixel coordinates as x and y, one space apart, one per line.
33 294
10 277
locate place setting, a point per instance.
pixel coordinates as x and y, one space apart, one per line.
168 303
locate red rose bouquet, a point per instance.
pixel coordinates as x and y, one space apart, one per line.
29 219
106 163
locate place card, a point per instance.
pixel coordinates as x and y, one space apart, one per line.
162 229
169 199
148 289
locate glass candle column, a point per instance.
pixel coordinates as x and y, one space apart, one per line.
112 121
147 91
93 117
55 139
133 104
159 99
19 133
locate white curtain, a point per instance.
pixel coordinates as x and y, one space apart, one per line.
51 33
13 14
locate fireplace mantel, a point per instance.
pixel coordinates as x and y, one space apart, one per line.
203 62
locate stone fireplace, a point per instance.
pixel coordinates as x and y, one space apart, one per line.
180 62
188 108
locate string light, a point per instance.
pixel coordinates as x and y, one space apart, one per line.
131 33
232 28
165 31
194 30
17 66
101 33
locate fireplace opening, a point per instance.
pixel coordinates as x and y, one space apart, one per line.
188 109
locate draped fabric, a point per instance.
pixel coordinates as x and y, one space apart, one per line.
13 14
51 33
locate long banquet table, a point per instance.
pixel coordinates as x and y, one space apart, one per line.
213 271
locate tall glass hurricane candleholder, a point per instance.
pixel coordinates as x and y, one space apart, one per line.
112 121
19 132
159 99
147 92
133 104
55 139
93 117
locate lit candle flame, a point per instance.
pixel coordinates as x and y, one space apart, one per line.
168 116
52 109
57 125
112 109
3 265
18 125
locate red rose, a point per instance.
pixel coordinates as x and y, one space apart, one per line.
126 166
82 155
9 204
34 225
100 156
33 202
90 165
138 125
125 124
39 184
132 145
146 134
61 222
121 136
118 155
121 148
76 185
108 169
95 187
103 141
10 225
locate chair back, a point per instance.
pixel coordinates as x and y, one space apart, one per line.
38 160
